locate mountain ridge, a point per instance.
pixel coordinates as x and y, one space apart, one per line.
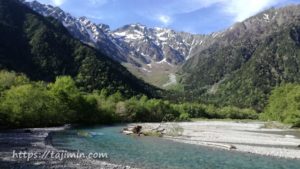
43 49
145 51
206 67
243 66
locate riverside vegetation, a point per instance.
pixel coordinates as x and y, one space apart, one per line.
25 103
284 105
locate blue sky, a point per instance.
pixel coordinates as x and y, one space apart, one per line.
195 16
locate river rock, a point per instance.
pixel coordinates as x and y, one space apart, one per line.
133 130
232 147
137 129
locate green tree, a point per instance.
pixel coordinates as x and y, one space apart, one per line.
30 105
67 95
64 86
284 105
9 79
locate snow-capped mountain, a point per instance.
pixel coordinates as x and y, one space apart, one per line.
135 43
96 35
146 52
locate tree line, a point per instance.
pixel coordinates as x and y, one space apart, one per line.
26 103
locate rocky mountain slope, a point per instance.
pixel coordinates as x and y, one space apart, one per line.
147 52
239 65
248 60
43 49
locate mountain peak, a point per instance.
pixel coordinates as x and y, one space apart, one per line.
139 25
62 54
84 20
104 27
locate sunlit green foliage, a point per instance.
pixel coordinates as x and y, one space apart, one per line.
25 103
30 105
10 79
284 105
36 104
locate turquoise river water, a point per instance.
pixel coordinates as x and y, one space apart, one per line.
158 153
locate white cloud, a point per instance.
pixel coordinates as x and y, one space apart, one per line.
239 9
242 9
58 2
166 20
185 6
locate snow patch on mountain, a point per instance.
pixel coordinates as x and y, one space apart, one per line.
172 80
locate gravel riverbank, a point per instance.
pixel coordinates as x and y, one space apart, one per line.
248 137
39 140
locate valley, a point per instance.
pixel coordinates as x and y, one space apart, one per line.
149 96
249 58
149 53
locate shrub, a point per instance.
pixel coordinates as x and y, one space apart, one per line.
284 105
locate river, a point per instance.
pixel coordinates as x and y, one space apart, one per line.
158 153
